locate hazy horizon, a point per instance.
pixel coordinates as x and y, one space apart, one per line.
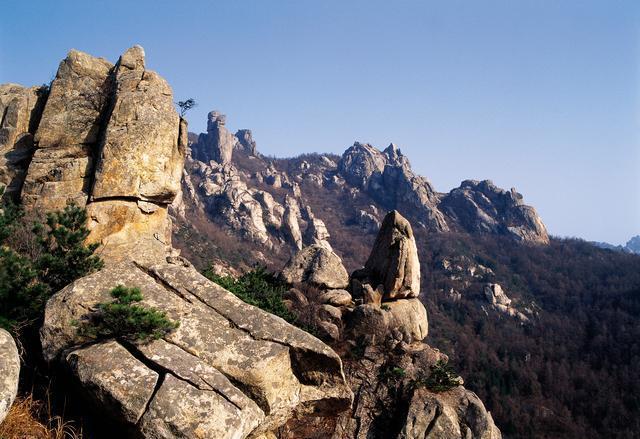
539 96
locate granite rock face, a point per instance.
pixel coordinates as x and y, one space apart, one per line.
140 156
68 134
217 143
393 262
318 266
21 109
387 177
9 372
229 370
103 137
481 207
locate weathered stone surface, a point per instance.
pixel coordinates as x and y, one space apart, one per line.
336 297
482 208
218 143
457 413
275 368
114 379
68 133
387 177
180 409
140 156
316 265
368 322
20 108
393 262
245 138
409 317
9 372
290 222
128 231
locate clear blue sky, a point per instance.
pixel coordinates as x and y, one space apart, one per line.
540 95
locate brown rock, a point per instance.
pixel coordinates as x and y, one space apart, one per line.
318 266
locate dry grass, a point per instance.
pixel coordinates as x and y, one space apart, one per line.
29 418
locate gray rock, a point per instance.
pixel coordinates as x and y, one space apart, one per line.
409 317
318 266
217 144
245 138
9 372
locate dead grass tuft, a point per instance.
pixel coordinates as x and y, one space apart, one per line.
30 418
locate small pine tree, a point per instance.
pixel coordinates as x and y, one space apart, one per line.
123 319
65 257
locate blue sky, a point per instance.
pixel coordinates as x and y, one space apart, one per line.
539 95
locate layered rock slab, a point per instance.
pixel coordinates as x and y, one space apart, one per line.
251 368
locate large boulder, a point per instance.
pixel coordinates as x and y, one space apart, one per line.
318 266
9 372
229 370
457 413
393 262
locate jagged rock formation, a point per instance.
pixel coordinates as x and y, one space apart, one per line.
385 358
481 207
388 178
218 143
9 372
110 140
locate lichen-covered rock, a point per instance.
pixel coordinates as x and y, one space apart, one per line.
318 266
9 372
140 155
114 379
62 166
393 262
227 364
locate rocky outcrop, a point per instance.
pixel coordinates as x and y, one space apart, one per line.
68 134
108 139
20 110
393 263
230 370
387 177
499 300
217 143
318 266
245 138
481 207
9 372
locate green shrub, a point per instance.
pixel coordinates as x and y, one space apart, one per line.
441 378
123 319
259 288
